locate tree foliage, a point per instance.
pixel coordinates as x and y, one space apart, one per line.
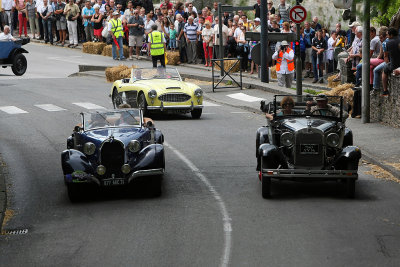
382 10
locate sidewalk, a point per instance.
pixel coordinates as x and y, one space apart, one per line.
379 143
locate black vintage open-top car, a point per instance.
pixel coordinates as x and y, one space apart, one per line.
306 139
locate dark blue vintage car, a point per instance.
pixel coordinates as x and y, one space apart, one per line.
306 139
113 148
11 55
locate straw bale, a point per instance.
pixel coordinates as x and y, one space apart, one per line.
93 47
114 73
331 83
273 72
228 64
336 91
107 51
172 57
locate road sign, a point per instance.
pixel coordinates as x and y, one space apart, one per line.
298 14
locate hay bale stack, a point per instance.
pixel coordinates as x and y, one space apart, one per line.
228 64
172 57
331 83
127 72
348 96
95 48
273 72
114 73
336 91
107 51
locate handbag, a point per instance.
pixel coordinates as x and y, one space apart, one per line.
105 32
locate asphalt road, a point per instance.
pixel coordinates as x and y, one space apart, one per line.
211 212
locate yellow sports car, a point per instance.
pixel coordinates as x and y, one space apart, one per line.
158 89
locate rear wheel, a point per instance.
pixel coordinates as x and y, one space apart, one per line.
19 64
196 113
142 103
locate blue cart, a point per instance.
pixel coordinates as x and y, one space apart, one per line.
11 55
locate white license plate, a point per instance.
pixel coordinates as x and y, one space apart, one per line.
112 182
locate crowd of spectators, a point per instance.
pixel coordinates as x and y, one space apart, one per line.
194 32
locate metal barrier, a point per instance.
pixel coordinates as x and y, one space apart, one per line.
223 74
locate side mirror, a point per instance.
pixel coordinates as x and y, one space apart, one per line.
77 129
149 124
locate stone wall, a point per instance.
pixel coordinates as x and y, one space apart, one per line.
387 109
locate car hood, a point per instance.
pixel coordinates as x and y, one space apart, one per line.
296 124
124 134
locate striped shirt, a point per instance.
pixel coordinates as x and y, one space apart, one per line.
284 12
191 31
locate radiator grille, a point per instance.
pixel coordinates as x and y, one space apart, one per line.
309 160
179 97
112 157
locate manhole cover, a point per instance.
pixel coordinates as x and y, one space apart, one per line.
15 232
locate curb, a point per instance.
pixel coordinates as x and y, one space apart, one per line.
3 193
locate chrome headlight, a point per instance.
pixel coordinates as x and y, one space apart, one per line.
101 170
198 92
287 139
152 93
89 148
332 140
134 146
125 168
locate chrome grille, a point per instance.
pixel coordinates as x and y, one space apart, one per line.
309 160
177 97
112 156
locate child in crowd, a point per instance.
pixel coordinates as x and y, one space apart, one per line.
172 37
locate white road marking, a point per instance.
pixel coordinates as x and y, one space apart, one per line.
88 105
240 112
12 110
208 113
50 107
222 207
244 97
210 104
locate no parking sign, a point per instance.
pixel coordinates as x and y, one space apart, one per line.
298 14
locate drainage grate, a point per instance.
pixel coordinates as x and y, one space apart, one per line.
16 232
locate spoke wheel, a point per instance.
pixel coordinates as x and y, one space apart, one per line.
142 103
19 64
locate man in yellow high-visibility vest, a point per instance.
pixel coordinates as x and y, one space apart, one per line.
157 46
117 33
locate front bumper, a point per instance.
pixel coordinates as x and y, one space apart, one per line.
89 178
314 174
163 107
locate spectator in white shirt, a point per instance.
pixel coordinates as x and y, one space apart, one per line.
8 7
6 35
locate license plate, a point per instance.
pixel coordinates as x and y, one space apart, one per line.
112 182
309 149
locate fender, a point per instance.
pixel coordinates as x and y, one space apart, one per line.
73 160
159 137
261 137
348 137
70 142
17 51
272 157
348 158
150 157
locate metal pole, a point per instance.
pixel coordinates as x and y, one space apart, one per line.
365 103
221 41
299 68
264 42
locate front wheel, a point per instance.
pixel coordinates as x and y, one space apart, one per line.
350 188
266 187
116 99
154 188
19 64
196 113
75 192
142 104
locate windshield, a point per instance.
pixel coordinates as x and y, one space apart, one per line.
118 118
158 73
297 105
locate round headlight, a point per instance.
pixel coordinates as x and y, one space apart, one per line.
198 92
125 168
101 170
152 93
134 146
89 148
332 140
287 139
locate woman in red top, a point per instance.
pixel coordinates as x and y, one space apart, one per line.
20 5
